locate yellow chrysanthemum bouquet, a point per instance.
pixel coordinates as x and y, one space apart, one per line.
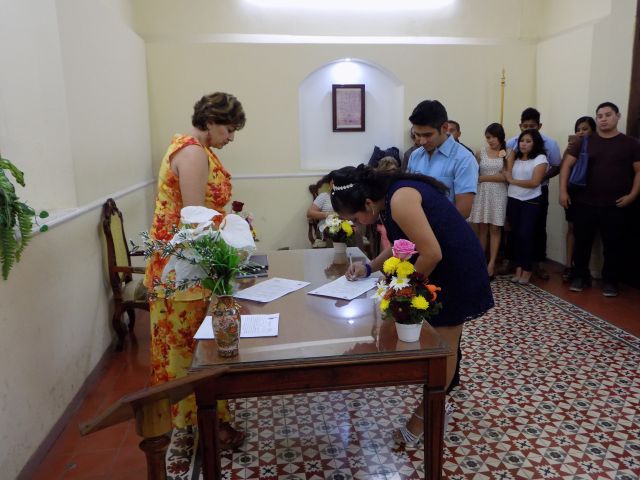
338 230
406 295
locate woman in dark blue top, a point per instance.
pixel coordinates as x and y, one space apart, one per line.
415 207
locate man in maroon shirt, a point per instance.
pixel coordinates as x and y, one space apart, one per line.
613 183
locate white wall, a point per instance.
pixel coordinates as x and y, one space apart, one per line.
323 149
197 20
34 125
106 80
561 100
577 69
269 145
74 117
610 73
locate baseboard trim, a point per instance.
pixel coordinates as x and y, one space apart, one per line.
49 440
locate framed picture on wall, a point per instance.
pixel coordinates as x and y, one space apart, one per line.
348 108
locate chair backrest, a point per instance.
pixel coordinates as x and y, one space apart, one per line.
116 252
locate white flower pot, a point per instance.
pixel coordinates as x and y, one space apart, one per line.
408 333
339 253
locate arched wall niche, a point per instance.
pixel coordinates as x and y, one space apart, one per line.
320 147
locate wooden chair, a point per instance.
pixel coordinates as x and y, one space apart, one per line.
128 294
151 408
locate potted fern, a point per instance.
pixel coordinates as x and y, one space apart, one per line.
16 218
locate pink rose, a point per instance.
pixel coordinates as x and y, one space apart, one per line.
403 249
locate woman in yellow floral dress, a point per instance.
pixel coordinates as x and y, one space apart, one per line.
190 174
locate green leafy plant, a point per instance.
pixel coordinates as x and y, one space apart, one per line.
16 218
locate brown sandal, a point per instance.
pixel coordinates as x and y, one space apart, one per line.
230 438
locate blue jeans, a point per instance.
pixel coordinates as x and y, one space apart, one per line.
522 217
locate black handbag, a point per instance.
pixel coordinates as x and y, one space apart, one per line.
578 177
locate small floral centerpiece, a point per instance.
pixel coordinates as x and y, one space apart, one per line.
338 230
206 251
406 295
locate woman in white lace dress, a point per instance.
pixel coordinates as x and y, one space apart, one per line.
490 204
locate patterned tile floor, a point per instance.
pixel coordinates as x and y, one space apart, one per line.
601 354
548 391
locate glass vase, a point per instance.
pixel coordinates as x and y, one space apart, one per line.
225 316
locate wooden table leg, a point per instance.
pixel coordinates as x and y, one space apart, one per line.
433 432
153 422
209 448
155 449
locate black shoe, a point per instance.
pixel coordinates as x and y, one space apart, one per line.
609 289
577 284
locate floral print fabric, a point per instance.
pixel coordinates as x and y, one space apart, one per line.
173 325
169 203
174 321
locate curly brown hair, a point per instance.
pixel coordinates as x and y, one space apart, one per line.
219 107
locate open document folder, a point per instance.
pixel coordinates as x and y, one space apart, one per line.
345 289
250 326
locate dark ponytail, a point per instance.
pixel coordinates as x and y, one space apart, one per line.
353 185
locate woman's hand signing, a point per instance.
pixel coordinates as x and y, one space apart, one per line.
355 271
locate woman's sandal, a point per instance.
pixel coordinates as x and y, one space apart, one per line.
404 436
230 438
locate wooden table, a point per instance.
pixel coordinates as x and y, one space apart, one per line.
323 344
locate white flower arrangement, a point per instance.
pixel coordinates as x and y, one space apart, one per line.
202 253
337 229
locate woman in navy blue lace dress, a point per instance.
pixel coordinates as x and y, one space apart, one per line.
415 207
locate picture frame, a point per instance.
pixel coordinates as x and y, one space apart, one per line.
348 107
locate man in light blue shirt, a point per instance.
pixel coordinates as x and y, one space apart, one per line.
530 119
444 159
441 157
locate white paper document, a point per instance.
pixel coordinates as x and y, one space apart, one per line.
250 326
345 289
271 289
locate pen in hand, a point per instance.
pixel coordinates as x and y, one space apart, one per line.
349 273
